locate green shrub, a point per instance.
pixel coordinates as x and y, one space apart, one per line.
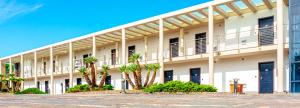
78 88
107 87
31 91
178 86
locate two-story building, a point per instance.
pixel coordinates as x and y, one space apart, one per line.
210 43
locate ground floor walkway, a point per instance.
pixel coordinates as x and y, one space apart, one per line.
150 100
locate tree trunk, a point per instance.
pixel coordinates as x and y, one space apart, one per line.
87 79
102 80
0 86
147 78
93 74
135 80
152 79
139 75
127 77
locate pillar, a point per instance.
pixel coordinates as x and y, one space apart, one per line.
161 50
35 69
1 67
51 71
181 43
211 47
22 71
145 49
117 52
94 46
10 71
71 64
280 46
123 46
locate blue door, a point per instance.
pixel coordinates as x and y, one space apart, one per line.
195 75
168 76
266 77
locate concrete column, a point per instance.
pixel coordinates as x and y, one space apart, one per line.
22 71
1 67
35 69
117 52
145 49
181 43
211 47
280 46
71 64
10 71
94 46
123 46
161 50
51 71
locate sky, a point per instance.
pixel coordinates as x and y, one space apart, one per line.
29 24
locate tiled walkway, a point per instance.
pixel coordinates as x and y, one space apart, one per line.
150 100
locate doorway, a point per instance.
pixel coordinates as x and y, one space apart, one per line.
46 86
266 77
195 74
174 46
168 76
200 43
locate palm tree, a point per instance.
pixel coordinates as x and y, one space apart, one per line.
18 83
134 58
105 69
91 61
1 82
125 70
12 79
155 67
82 70
133 68
149 68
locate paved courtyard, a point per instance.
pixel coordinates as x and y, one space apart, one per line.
149 101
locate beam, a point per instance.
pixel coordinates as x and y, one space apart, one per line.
286 2
135 32
220 11
148 29
268 4
173 23
203 13
183 21
139 30
234 8
250 5
192 16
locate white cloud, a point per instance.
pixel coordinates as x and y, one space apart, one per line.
11 8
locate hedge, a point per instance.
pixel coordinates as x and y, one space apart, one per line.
178 86
31 91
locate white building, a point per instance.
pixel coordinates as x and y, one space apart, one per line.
210 43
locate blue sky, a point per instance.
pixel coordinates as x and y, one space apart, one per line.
28 24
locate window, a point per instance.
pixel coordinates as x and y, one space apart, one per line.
168 76
53 66
131 50
108 80
200 43
45 68
266 31
113 57
174 47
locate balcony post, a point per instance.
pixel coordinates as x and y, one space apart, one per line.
211 48
35 69
280 45
161 50
181 43
51 71
10 71
145 49
71 64
22 71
